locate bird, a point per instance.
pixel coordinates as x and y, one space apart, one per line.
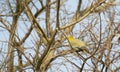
76 44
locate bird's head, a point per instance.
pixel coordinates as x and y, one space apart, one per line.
70 37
